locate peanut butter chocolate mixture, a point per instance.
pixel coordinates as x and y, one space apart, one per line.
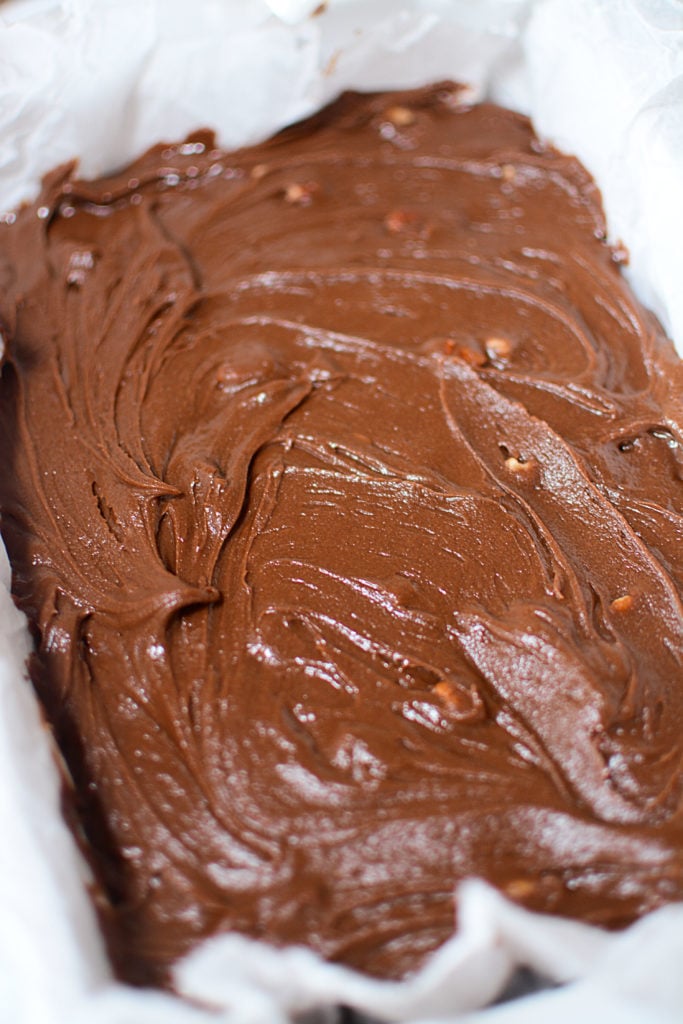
341 478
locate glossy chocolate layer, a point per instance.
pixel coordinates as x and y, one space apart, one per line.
342 485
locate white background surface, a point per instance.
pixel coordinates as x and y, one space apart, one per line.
104 79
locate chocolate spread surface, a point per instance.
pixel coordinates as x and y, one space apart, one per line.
342 485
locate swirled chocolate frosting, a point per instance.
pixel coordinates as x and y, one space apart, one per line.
341 479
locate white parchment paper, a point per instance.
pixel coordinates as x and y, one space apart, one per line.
104 79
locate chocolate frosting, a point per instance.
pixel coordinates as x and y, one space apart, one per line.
342 486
